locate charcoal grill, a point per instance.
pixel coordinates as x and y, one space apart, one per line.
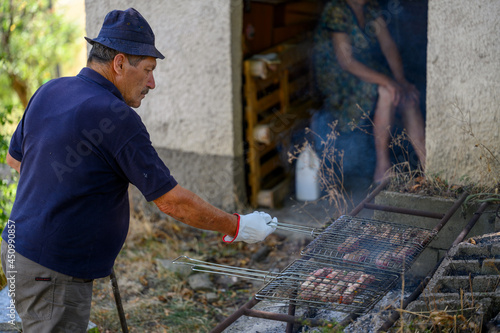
390 249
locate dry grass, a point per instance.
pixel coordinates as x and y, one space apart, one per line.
468 317
439 321
331 169
154 299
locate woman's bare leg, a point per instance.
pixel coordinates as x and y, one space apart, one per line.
414 124
382 122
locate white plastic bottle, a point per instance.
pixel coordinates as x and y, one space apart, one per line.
306 175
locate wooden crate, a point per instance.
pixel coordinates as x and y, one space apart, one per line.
275 106
268 23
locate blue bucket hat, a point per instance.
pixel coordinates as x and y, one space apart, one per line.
128 32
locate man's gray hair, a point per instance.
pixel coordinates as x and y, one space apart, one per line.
103 54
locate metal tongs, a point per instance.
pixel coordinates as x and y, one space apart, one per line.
245 273
208 267
302 229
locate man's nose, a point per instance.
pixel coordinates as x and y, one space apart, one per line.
151 82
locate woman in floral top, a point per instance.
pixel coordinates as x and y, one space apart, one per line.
359 71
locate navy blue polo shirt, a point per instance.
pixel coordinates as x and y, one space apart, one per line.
80 145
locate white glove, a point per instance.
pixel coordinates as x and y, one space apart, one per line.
253 228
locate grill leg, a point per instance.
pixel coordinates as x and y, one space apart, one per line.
118 300
237 314
291 312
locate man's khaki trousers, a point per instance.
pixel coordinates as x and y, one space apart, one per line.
46 301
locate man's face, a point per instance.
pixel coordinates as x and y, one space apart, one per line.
136 81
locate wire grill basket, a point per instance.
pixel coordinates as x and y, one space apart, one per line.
346 288
378 244
343 288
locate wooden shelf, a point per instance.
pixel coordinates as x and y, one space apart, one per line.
273 105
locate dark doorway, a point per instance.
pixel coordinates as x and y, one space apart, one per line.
408 25
407 21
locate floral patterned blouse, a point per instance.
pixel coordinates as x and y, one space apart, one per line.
344 94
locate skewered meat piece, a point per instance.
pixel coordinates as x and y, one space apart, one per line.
365 279
347 296
322 291
333 280
422 238
306 294
308 284
319 284
369 230
338 286
385 232
322 272
352 276
350 244
333 274
416 236
384 259
396 238
336 291
361 283
349 293
403 252
357 256
410 234
308 287
318 272
337 294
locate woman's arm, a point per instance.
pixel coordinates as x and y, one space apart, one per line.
390 50
391 53
343 51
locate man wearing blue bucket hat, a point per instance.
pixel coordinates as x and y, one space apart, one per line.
77 148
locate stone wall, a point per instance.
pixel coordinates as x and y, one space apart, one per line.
463 104
194 115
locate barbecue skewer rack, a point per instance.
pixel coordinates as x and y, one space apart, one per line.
348 266
377 244
344 288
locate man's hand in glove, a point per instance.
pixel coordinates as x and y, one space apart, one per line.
253 228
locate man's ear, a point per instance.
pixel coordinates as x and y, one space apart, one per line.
118 63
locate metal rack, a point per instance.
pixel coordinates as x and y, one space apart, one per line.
350 289
345 288
378 244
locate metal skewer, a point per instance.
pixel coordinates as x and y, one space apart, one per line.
207 267
311 231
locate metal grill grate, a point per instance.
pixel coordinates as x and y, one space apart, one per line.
378 244
346 288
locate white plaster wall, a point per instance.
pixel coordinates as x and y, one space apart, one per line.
463 90
196 106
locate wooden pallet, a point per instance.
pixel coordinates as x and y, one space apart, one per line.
274 107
